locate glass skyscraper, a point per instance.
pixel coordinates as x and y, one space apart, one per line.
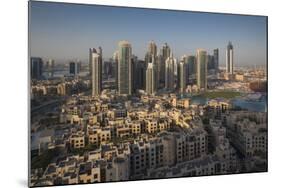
181 76
191 64
124 68
229 58
216 59
201 61
36 67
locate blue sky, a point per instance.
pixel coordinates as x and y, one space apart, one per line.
66 31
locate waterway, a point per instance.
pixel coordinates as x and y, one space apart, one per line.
259 105
252 105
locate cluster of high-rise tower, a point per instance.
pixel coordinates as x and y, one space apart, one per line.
158 70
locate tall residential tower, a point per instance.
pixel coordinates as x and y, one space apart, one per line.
201 61
96 65
36 67
164 53
150 79
151 52
229 58
216 59
124 68
169 73
182 73
74 68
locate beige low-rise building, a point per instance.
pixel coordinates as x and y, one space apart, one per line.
77 140
240 77
94 155
151 125
183 103
89 172
135 127
123 131
174 114
98 135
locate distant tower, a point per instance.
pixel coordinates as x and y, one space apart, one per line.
161 68
175 66
115 63
150 79
36 67
91 50
101 65
50 67
201 61
74 68
182 76
216 59
96 65
124 68
134 73
184 59
157 68
164 53
210 62
151 52
191 63
229 58
100 52
169 73
152 48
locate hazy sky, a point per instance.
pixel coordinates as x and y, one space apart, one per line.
66 31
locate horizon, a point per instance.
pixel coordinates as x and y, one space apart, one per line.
68 31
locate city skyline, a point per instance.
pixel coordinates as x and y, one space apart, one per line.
162 107
72 30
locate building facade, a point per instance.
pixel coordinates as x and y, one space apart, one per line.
151 52
216 59
229 58
165 52
124 68
182 76
150 79
169 73
191 61
201 61
96 73
36 67
74 68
